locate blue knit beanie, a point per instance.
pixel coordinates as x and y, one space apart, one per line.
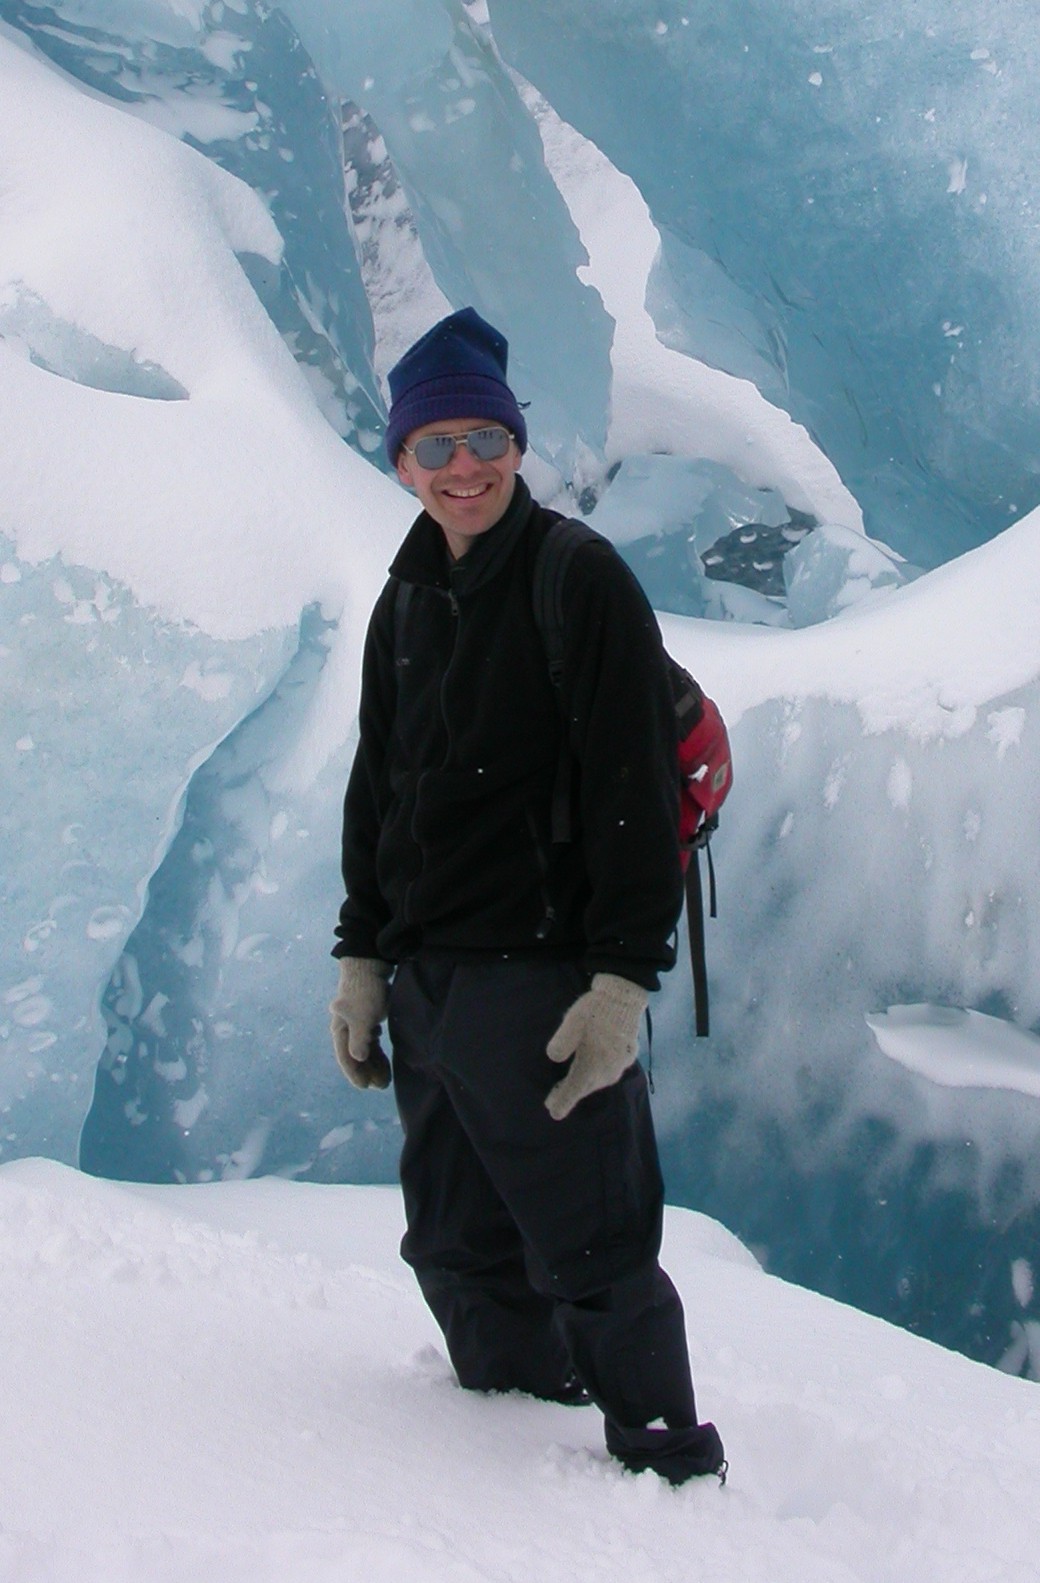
456 370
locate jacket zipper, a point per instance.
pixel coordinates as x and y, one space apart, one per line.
545 927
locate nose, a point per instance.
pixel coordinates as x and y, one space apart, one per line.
464 461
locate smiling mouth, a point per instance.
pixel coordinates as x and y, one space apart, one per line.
467 494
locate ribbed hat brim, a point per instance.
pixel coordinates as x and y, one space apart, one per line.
454 396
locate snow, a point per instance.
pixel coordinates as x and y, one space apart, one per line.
228 510
83 185
241 1380
960 1049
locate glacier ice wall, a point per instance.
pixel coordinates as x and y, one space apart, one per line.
88 808
239 82
214 1060
172 500
235 82
845 201
879 849
192 545
495 231
859 871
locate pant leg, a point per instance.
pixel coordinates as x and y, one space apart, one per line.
585 1194
461 1240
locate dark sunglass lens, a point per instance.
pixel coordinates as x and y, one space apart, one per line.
488 445
434 450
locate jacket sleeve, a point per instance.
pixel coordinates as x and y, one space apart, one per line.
364 912
623 734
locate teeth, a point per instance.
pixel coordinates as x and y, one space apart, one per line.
465 494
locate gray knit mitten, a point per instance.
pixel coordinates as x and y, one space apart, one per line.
357 1011
601 1031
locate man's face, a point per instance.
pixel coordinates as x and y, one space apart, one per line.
466 496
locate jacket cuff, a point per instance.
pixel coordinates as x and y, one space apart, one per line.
641 973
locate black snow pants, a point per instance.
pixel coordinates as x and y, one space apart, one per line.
535 1242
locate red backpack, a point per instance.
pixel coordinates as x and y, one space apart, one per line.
705 766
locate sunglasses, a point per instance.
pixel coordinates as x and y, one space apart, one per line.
436 450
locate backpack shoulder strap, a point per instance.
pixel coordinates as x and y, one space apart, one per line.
402 599
401 603
550 571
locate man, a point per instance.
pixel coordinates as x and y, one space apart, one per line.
533 1201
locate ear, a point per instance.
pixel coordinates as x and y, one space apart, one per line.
404 471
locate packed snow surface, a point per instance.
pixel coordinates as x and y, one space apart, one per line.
241 1381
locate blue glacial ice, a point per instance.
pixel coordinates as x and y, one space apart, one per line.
701 541
28 327
215 1012
103 708
886 870
831 569
190 551
845 199
495 230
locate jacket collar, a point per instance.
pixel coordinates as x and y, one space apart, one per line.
424 559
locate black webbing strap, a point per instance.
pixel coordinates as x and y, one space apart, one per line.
695 919
698 962
402 599
550 572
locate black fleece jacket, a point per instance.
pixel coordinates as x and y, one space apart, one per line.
446 830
